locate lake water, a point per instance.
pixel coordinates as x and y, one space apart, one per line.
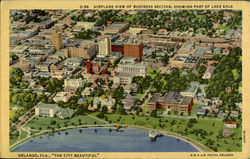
102 140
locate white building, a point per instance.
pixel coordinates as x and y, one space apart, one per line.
62 96
209 72
73 62
87 91
48 110
131 67
191 90
123 79
104 47
73 84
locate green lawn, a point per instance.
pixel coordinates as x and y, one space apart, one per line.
44 122
12 141
209 126
24 134
226 28
194 107
152 74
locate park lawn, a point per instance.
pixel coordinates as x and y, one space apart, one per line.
211 126
226 28
12 141
194 107
45 122
23 135
151 73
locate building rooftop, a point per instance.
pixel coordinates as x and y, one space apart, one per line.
81 100
116 26
191 59
77 60
155 97
180 58
172 95
47 106
60 53
210 69
186 101
200 52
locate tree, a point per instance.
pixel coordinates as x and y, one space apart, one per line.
15 75
100 115
81 109
120 110
165 59
153 113
153 55
104 109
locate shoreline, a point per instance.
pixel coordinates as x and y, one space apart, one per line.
165 133
56 130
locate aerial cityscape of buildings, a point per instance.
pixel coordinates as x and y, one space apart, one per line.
160 64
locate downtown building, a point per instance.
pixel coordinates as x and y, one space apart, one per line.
57 41
85 51
104 46
133 48
71 85
132 67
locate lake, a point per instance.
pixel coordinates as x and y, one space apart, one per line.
102 140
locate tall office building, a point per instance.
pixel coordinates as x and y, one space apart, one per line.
57 41
133 48
104 46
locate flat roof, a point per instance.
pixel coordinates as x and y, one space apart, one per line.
186 101
172 95
155 97
116 25
200 52
47 106
73 59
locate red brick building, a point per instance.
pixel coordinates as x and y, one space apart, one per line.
134 48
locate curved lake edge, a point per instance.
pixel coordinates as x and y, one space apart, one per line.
197 145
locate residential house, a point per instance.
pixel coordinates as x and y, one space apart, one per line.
191 90
227 133
87 91
82 100
230 124
208 73
62 96
234 114
200 111
129 101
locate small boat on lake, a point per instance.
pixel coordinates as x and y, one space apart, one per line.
154 134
